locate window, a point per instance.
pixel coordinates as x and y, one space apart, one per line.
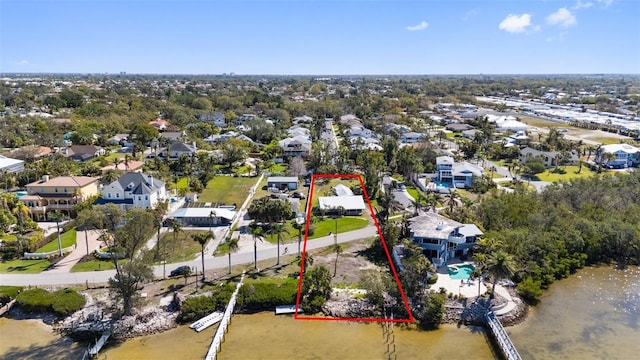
56 189
146 197
109 195
117 195
65 190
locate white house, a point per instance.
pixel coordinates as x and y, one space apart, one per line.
134 190
205 216
351 204
625 155
460 175
295 146
360 130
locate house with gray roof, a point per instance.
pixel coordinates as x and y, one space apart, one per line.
442 238
134 190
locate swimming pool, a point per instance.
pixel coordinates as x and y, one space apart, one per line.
20 194
442 184
461 272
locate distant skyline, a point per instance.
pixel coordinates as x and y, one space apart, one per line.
306 37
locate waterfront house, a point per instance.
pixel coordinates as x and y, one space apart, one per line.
61 193
350 204
442 238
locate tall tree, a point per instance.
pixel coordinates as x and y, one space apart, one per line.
256 232
278 230
233 247
202 239
338 249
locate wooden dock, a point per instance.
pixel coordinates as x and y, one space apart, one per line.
502 338
222 328
95 349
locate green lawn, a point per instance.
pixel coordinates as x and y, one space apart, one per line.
67 239
182 183
278 168
413 191
23 266
287 235
227 190
346 223
93 265
571 173
182 248
606 140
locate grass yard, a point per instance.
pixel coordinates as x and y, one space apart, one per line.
606 140
93 265
413 191
278 168
227 190
181 248
182 184
345 223
571 173
23 266
67 239
288 235
324 187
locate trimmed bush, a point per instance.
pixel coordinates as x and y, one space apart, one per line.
67 301
222 295
35 300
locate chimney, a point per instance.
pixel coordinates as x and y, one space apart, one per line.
193 145
150 179
45 177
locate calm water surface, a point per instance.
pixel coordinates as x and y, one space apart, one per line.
593 315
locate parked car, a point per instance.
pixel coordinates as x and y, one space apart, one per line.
180 270
298 195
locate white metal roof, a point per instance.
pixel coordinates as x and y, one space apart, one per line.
347 202
203 213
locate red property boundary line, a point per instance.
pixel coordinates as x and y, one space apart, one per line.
384 245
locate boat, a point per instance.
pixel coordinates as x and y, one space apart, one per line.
207 321
287 309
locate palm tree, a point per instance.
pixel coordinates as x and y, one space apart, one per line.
308 260
337 248
21 211
608 157
278 229
500 265
300 227
256 232
202 239
57 217
452 200
233 246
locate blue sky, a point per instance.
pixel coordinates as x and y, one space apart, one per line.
321 37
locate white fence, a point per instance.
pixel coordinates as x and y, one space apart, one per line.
46 255
222 328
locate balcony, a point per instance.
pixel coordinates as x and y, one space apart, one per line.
457 239
61 206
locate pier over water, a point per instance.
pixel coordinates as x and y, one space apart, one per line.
222 328
502 338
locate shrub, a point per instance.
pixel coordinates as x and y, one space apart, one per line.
35 300
62 302
222 295
433 279
266 296
433 312
196 307
9 292
530 290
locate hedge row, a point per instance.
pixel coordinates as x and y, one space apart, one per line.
266 296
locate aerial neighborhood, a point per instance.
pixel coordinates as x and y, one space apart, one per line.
423 199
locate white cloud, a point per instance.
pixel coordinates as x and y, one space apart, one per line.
562 17
423 25
469 14
515 23
582 5
22 62
606 3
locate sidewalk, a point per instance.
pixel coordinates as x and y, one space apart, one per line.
65 265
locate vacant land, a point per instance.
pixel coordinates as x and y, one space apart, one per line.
227 190
344 224
180 246
571 172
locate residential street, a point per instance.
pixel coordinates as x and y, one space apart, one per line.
211 263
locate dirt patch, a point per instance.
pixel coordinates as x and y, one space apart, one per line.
352 264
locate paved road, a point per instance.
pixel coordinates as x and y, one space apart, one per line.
221 262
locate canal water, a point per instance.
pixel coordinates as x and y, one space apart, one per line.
595 314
